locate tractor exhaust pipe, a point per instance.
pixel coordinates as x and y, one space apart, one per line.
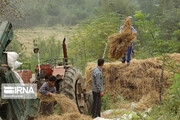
65 52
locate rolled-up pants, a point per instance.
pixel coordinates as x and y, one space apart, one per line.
96 108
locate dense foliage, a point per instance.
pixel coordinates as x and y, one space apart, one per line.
52 12
170 109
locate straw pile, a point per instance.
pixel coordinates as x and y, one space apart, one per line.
135 81
66 105
66 116
68 108
152 98
121 41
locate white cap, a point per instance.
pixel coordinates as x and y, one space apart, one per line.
130 17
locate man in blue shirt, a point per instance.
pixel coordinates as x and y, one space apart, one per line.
97 88
129 49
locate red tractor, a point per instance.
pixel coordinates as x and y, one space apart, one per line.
69 79
25 72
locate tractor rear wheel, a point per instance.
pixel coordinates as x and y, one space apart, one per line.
67 85
73 86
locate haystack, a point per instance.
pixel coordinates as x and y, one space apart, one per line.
135 81
151 99
66 105
121 41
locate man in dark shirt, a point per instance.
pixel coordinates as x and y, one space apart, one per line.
97 88
48 89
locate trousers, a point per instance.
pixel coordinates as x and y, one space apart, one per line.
96 108
128 53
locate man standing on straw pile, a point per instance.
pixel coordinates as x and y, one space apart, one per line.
129 49
97 88
120 42
48 89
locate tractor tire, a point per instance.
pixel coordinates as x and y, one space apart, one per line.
67 85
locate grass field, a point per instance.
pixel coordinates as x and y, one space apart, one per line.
26 36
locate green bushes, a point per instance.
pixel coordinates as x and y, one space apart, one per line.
106 102
170 108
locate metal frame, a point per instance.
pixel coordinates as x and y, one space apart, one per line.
54 61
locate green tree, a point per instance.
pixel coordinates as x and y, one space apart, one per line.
88 42
167 17
146 6
149 39
176 36
122 7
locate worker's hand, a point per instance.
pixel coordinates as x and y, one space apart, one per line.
102 94
50 94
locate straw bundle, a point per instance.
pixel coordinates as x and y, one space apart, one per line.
66 105
68 108
121 41
134 81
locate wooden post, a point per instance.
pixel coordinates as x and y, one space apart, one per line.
105 48
161 83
